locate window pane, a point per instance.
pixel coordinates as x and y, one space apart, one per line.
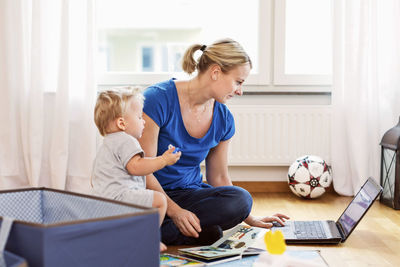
152 35
147 59
308 37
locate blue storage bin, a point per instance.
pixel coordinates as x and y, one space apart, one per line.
60 228
8 259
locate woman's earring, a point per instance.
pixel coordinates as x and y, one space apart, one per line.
214 78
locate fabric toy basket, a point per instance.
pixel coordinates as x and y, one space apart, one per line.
8 259
59 228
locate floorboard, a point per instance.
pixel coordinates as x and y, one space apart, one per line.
375 241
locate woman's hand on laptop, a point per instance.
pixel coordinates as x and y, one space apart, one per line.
267 222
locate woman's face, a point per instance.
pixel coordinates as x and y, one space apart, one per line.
230 84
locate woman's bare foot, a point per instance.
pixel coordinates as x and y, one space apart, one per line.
162 246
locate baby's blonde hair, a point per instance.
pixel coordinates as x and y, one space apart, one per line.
226 53
112 104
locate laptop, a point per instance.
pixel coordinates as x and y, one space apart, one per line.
330 232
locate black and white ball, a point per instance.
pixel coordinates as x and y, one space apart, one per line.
309 176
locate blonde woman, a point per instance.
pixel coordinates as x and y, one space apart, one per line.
191 114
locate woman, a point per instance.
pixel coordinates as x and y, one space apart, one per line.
191 115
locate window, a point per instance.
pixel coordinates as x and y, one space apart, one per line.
303 49
142 42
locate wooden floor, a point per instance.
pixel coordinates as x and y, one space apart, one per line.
375 241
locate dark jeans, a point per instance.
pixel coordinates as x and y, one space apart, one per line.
225 206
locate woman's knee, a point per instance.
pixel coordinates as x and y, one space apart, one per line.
239 203
244 200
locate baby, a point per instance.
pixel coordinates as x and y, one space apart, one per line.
120 166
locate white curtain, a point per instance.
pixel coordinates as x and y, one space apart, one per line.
48 89
366 87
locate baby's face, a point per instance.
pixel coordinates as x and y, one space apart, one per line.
133 118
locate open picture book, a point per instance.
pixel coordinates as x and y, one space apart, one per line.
230 247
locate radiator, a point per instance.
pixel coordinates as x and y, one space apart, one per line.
277 135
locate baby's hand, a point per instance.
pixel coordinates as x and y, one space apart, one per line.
170 157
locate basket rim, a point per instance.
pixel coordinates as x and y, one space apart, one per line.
146 210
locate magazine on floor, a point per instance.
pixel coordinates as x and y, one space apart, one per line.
230 247
169 260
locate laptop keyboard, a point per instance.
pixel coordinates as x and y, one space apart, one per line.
309 229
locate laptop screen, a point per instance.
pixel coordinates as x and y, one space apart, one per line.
359 206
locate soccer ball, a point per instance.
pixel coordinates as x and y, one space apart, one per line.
309 176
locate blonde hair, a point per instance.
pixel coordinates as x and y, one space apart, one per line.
112 104
226 53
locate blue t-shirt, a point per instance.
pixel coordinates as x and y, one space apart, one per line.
162 105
